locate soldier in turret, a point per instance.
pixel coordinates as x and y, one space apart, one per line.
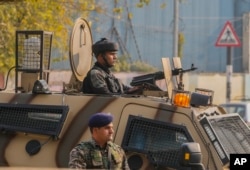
100 152
99 79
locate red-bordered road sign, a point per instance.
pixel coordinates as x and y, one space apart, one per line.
228 37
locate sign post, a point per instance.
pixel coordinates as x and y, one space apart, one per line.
228 38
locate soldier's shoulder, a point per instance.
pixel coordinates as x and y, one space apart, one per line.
85 145
115 146
97 71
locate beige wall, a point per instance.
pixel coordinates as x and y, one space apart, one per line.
211 81
217 83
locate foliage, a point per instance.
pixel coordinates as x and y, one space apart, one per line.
140 66
137 66
181 41
141 3
56 16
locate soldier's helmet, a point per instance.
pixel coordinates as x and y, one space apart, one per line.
104 45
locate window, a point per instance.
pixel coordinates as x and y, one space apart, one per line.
236 108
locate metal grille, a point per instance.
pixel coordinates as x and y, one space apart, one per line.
39 119
33 50
228 133
161 141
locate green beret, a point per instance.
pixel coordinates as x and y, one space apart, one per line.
100 119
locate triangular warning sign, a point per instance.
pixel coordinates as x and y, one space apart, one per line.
228 37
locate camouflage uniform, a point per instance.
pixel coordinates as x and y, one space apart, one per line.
100 80
89 155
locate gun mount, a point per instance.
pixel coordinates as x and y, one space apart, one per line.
148 81
180 71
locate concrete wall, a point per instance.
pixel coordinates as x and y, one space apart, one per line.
217 83
212 81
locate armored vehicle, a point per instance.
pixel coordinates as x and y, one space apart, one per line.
158 129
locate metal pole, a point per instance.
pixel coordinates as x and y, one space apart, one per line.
175 31
229 73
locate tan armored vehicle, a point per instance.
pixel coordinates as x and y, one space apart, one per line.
158 129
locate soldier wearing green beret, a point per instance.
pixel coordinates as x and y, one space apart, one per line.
100 152
99 79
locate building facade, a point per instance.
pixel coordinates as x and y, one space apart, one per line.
148 34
